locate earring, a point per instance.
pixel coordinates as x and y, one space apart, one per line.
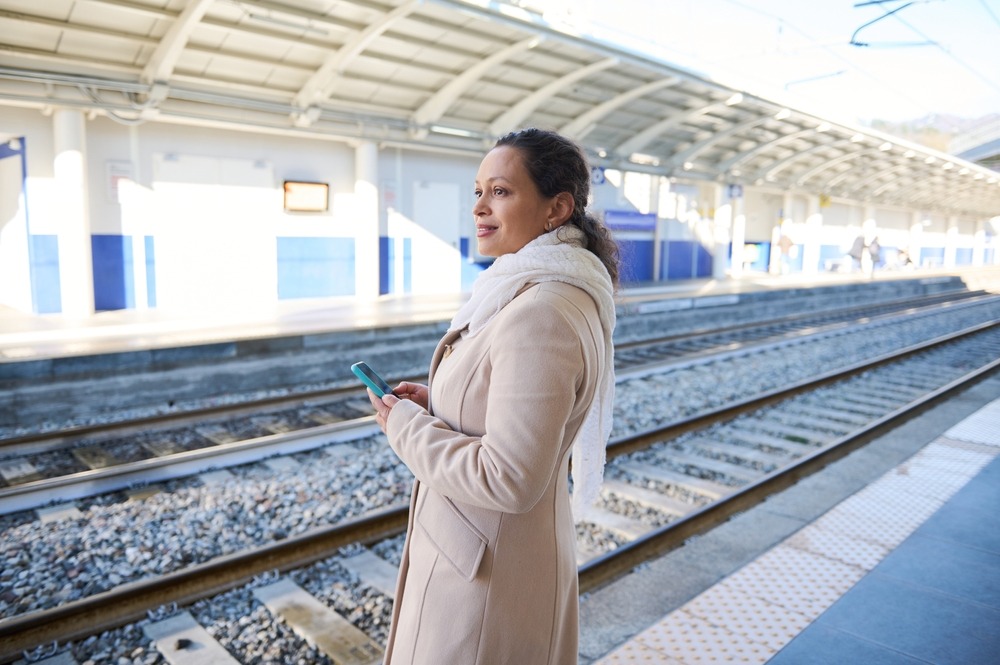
548 226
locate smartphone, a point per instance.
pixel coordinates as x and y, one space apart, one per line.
371 379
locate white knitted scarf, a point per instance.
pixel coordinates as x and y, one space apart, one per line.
557 256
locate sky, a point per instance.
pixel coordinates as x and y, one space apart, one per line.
925 57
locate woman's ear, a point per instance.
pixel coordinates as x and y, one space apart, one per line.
561 209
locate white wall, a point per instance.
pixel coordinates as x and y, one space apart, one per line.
212 200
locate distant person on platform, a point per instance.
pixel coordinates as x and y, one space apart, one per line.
903 259
866 253
787 247
522 380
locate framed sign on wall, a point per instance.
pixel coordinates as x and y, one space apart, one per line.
302 196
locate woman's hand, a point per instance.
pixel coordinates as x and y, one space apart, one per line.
382 406
414 392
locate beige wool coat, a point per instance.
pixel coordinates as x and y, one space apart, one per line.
489 573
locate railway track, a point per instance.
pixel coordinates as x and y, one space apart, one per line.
79 461
631 353
663 486
693 475
651 351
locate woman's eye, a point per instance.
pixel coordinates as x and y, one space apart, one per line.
478 193
497 191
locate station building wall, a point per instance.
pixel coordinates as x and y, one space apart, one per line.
191 219
426 205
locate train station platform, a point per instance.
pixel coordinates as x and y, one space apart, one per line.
26 336
858 564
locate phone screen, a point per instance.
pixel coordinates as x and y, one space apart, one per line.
371 379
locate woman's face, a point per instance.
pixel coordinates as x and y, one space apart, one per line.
510 212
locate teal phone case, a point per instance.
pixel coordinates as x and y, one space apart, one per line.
371 379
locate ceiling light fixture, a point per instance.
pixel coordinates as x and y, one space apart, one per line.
453 131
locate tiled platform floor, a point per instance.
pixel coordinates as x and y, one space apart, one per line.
905 571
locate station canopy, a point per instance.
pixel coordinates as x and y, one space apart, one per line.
450 75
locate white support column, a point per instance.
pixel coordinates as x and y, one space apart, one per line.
366 254
720 225
916 238
787 226
15 266
739 226
869 229
951 242
774 259
76 268
137 231
811 240
654 207
979 244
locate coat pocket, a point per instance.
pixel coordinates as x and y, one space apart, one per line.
452 534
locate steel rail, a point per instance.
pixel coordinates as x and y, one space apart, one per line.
131 602
43 441
896 307
625 445
32 494
38 442
606 568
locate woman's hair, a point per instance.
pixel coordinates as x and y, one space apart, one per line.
556 164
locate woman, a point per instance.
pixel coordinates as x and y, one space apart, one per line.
523 377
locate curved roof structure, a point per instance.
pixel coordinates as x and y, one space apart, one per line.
449 75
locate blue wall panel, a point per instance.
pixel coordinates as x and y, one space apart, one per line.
935 255
679 263
150 271
685 259
315 267
636 261
831 253
963 256
761 261
46 293
791 262
704 261
114 281
470 268
384 265
403 247
407 265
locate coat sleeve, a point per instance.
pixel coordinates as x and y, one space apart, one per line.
536 374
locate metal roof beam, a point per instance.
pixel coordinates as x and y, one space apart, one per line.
161 64
585 122
746 156
809 175
319 86
853 172
874 180
692 152
930 191
643 138
435 107
768 174
516 114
